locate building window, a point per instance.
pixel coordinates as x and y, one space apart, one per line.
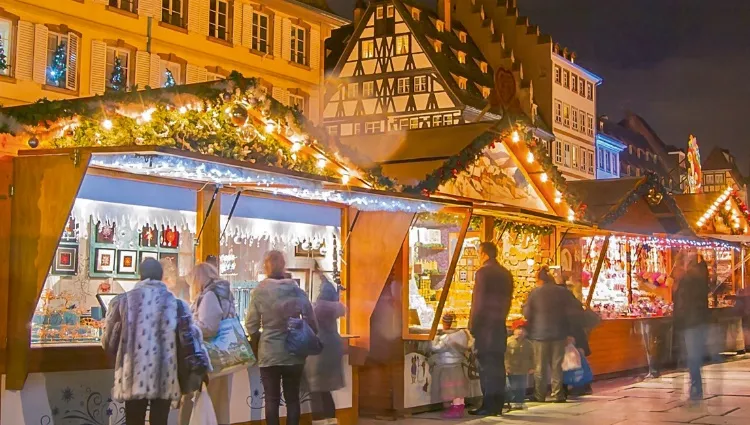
566 115
60 54
171 74
558 71
403 124
483 67
591 162
589 91
368 49
630 149
352 91
607 162
566 157
173 12
719 178
558 152
613 158
590 129
414 123
297 101
6 44
574 115
373 127
436 120
402 44
218 19
584 127
448 119
390 12
440 25
583 161
574 156
211 76
126 5
709 179
299 40
379 13
461 57
558 112
357 128
566 79
462 36
333 130
638 152
600 158
420 84
581 87
403 85
637 172
648 156
114 53
368 89
261 31
574 82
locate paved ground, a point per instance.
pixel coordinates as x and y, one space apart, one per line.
624 402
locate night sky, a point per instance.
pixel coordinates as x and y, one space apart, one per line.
683 65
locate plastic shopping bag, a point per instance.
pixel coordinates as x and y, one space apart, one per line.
203 410
229 350
579 377
572 359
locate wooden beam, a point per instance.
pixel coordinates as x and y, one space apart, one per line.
629 271
6 181
210 222
488 228
45 189
600 261
451 270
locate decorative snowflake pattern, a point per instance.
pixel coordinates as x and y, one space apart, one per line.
67 394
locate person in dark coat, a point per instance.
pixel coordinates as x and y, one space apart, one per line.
578 336
692 315
490 304
325 372
548 311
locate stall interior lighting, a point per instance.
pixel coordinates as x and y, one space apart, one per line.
670 242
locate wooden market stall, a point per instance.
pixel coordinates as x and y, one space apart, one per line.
82 218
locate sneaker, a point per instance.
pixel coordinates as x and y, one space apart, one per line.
517 406
453 412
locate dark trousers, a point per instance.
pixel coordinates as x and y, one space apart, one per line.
492 379
695 352
323 406
518 384
135 412
273 379
548 355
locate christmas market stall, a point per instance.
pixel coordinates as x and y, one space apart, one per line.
519 201
623 267
177 175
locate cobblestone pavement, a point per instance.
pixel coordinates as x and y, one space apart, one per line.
623 402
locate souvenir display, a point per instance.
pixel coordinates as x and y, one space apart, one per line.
148 236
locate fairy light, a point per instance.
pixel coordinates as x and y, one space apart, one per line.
345 178
107 124
296 146
270 127
146 115
321 162
182 110
543 177
571 215
515 137
530 157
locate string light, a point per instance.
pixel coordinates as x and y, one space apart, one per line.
715 206
544 177
671 242
322 162
270 127
530 157
182 110
345 178
515 137
107 124
296 146
146 115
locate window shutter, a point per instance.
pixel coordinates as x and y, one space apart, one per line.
72 66
142 69
41 35
277 24
195 74
314 60
150 8
281 95
156 69
198 16
25 51
286 39
98 73
237 22
247 25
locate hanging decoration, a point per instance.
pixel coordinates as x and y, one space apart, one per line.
117 77
169 79
660 243
723 209
694 171
3 56
57 70
743 209
521 228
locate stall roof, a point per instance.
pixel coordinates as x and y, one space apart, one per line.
713 214
631 205
196 169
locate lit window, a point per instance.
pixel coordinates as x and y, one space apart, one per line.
590 130
558 112
173 12
614 163
589 91
420 84
583 122
607 163
600 158
440 25
630 149
403 85
352 91
591 162
373 127
566 79
462 83
297 101
719 178
379 13
483 66
368 49
574 115
581 87
461 57
557 74
567 155
210 76
357 128
126 5
566 115
415 14
558 152
390 11
709 178
583 160
402 44
333 130
414 123
437 45
62 60
448 119
638 153
486 92
574 155
403 123
6 43
368 89
171 75
437 120
260 33
574 82
121 81
299 38
218 19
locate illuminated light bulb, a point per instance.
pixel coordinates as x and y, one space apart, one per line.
294 157
107 124
544 177
558 194
270 127
530 157
515 137
736 225
558 200
530 262
345 178
146 115
182 110
296 138
296 146
322 163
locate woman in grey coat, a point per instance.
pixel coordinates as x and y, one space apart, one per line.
325 372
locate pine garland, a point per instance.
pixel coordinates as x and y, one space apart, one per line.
521 228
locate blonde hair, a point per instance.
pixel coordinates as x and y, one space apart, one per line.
171 274
274 263
202 275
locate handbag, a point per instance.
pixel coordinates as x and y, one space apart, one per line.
229 350
572 359
301 340
192 360
472 365
579 377
203 410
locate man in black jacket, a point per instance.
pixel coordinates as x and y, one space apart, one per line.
490 304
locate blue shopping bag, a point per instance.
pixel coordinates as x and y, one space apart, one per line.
579 377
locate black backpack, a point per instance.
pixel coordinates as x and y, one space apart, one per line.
192 360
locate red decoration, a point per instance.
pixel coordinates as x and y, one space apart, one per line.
455 172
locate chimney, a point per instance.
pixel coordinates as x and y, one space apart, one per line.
359 11
444 11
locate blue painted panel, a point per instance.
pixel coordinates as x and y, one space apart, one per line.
106 189
270 209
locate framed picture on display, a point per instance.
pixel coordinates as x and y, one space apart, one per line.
66 261
172 256
149 254
128 262
302 277
105 260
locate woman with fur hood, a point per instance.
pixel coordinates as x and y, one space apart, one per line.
325 372
141 332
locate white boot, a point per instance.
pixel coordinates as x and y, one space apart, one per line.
332 421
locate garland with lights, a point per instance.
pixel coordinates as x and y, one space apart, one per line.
521 228
209 118
741 204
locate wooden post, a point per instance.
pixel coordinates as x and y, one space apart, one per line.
595 278
629 271
488 229
210 222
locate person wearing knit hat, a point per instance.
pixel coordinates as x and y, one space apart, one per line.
519 362
447 355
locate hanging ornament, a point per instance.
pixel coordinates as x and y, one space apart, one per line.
654 197
226 96
33 142
239 115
